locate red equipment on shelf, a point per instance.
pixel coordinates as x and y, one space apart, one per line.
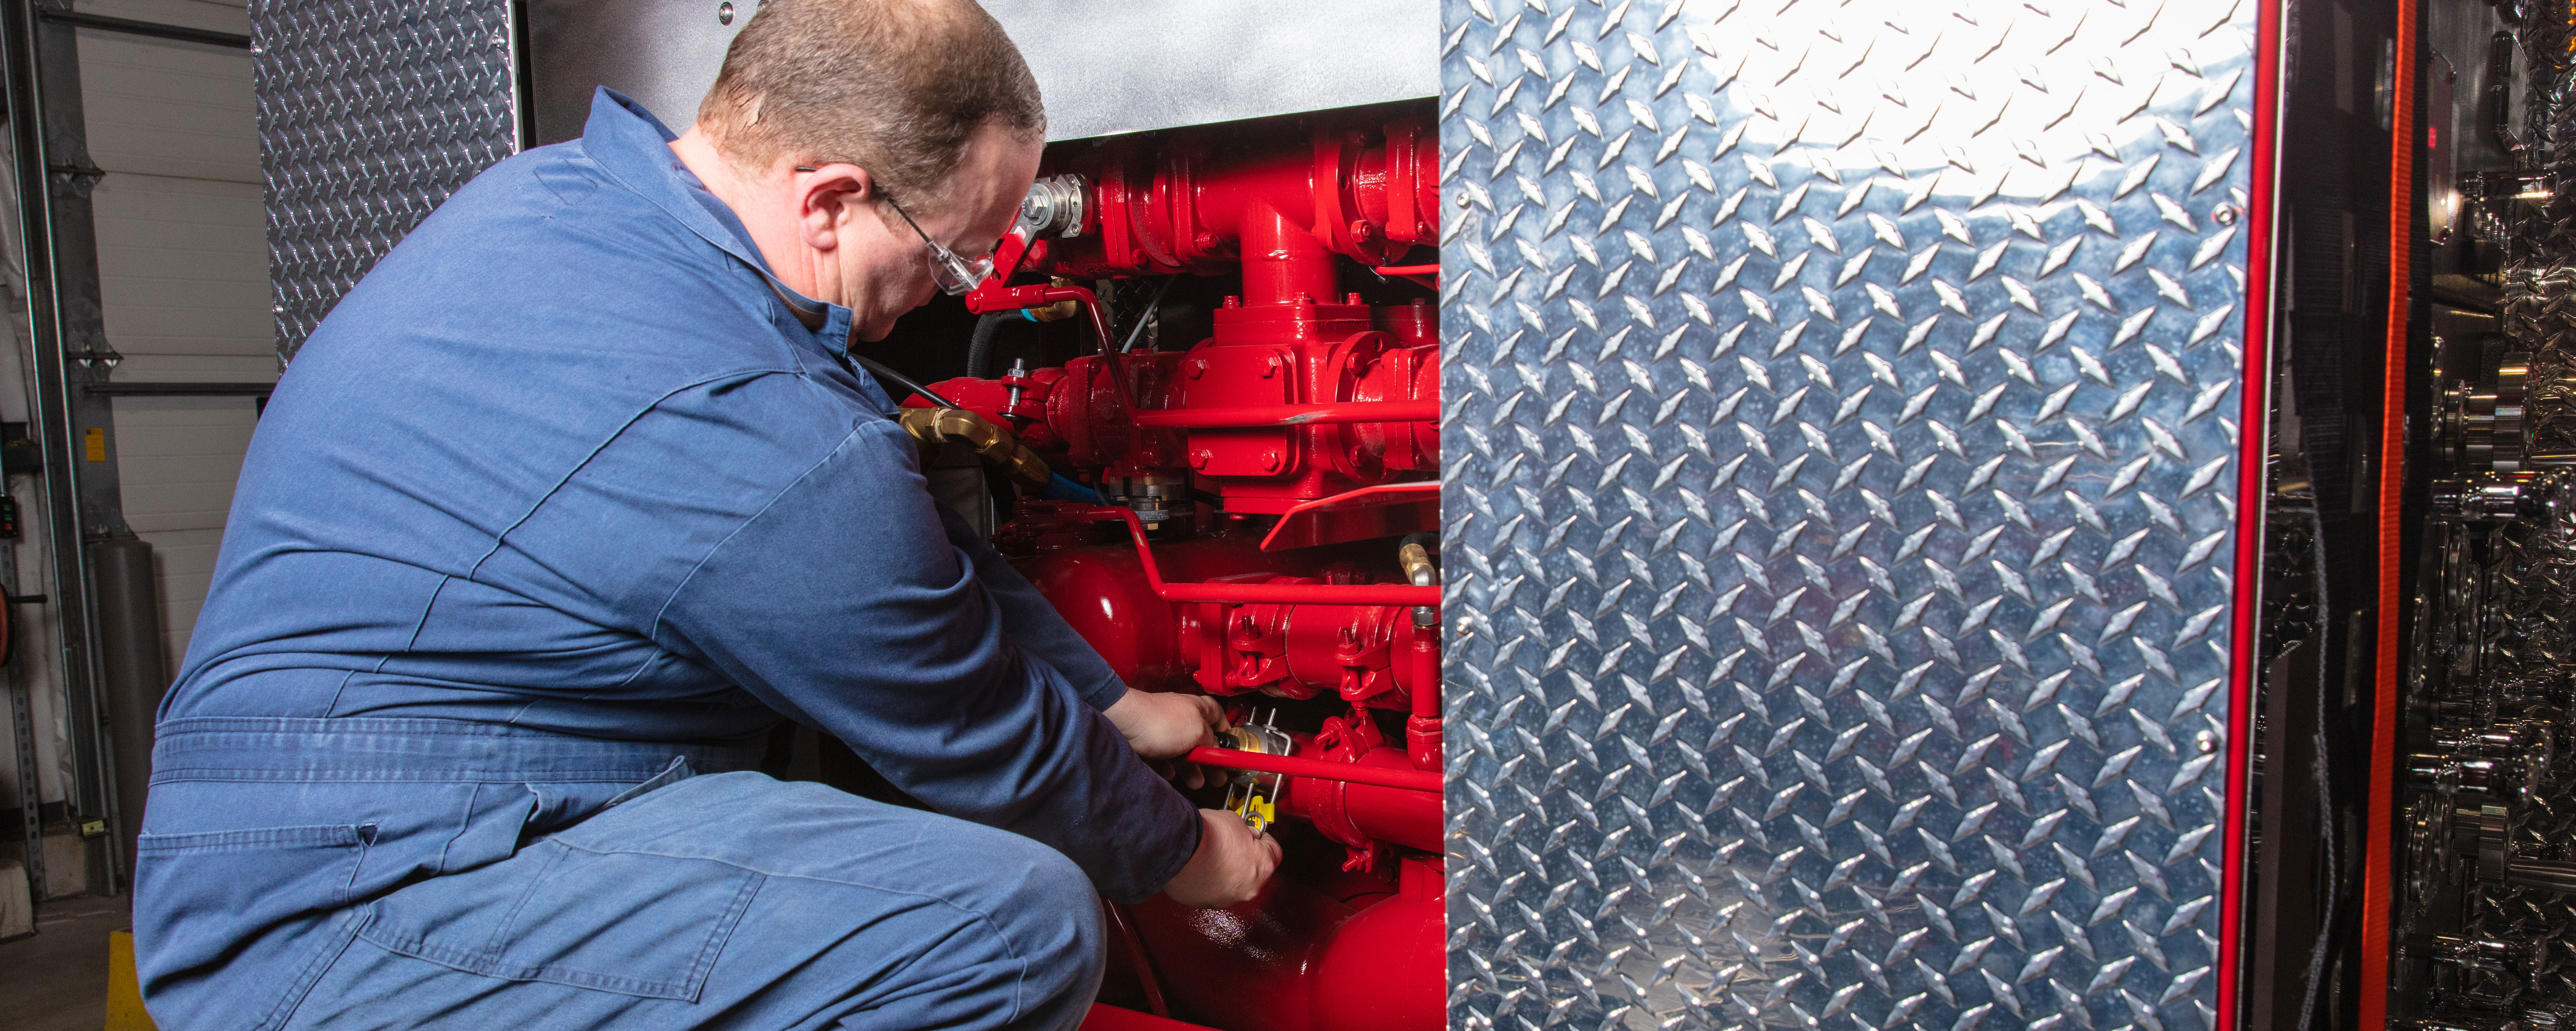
1303 392
1312 417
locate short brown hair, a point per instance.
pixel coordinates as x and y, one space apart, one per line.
896 87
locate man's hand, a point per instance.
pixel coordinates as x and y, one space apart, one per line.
1162 726
1166 726
1231 865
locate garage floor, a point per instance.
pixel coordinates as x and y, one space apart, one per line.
57 978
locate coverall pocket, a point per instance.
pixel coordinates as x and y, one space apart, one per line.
286 881
319 860
320 836
633 923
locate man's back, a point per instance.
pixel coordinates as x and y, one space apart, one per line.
488 470
565 505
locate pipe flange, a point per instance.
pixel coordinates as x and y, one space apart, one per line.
1055 204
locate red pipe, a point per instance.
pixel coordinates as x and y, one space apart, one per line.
1261 594
1422 735
1300 594
1111 1018
1381 776
1292 415
1125 931
1358 815
1282 260
993 296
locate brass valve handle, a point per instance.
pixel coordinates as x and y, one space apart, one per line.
994 444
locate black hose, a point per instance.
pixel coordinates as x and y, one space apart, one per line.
886 375
979 353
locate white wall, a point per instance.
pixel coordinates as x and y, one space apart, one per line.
183 265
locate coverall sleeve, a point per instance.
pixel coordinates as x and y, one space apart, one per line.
1032 623
844 605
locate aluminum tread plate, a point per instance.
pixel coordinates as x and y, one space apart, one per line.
371 112
1841 432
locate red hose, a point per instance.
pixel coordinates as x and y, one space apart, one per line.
1381 776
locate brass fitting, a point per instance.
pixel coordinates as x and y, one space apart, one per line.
1060 310
1416 561
994 444
1418 569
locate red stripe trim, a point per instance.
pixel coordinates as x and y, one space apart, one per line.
2376 898
2254 438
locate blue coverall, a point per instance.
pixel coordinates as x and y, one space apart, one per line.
551 520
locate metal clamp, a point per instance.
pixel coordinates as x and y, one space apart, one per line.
1252 794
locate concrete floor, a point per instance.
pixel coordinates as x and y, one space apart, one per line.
56 980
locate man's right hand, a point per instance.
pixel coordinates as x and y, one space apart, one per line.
1230 867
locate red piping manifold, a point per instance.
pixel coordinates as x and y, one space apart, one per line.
1303 391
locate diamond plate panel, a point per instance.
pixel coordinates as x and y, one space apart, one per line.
1842 446
370 113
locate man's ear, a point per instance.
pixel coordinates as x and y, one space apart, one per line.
825 199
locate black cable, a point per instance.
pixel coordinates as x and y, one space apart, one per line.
879 370
2328 835
1146 315
979 352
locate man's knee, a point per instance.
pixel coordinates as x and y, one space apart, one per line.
1044 907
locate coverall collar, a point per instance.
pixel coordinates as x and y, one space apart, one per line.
634 147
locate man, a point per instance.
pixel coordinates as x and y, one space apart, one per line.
560 510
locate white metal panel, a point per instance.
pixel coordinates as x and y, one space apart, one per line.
183 269
162 107
1105 68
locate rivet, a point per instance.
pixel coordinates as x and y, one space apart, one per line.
724 13
2207 741
2224 214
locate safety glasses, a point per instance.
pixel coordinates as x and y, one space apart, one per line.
954 274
